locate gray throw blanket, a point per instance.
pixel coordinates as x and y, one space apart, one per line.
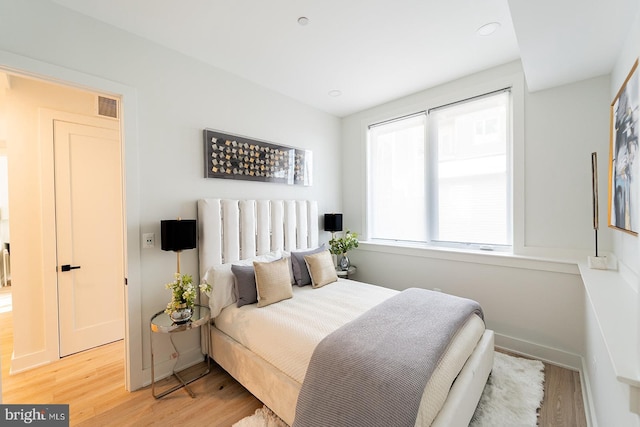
373 370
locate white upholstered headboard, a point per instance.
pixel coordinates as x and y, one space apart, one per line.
230 230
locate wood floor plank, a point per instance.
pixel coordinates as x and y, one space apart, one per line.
92 383
563 398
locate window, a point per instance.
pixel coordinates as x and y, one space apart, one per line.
397 180
443 176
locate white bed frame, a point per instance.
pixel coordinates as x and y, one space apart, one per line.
230 230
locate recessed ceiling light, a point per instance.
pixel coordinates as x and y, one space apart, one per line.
303 20
488 29
335 93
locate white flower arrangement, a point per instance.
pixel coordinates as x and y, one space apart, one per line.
183 292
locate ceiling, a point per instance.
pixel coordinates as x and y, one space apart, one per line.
374 51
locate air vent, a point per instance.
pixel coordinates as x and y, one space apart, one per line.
107 107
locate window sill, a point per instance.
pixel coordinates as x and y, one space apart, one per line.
543 260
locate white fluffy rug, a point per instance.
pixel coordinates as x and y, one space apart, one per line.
513 393
262 418
511 397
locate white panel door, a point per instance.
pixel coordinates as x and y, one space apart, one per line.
89 233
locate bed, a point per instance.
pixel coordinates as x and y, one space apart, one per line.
268 349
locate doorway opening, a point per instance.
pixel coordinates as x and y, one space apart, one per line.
29 159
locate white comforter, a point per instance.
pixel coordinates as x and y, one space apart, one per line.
307 318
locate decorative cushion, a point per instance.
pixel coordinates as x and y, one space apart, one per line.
272 282
300 271
245 280
221 279
321 269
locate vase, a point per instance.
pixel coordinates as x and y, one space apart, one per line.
182 314
344 262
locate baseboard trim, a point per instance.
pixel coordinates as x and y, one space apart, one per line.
551 355
29 361
587 397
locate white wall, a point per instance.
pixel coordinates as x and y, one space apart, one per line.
176 98
564 125
612 398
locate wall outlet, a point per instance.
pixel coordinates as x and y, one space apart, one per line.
148 240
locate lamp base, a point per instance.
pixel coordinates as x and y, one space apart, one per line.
597 262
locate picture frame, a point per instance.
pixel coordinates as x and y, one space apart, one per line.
623 156
230 156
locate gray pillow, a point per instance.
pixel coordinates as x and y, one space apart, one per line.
245 281
300 270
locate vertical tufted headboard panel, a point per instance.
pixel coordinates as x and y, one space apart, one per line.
230 230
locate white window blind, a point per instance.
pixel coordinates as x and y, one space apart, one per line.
470 171
397 197
450 185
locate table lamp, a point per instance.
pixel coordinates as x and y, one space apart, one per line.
333 222
177 235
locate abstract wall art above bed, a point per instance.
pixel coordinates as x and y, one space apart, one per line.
230 156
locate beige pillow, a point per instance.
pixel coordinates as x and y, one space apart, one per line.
321 269
272 281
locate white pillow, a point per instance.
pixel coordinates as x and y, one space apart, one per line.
221 279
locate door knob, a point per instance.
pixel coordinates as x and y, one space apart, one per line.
68 267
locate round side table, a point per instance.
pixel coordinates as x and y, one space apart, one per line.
161 323
346 273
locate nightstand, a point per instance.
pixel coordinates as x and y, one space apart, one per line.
346 273
162 323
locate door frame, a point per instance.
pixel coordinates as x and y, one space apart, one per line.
28 67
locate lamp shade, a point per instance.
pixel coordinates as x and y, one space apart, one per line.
177 235
333 222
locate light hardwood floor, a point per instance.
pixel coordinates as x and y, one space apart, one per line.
92 383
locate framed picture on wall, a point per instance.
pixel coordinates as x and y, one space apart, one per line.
230 156
624 188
